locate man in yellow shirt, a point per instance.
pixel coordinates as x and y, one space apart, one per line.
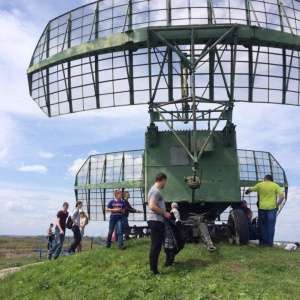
267 207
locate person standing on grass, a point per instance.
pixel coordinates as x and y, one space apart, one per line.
60 231
128 209
50 236
75 216
267 207
117 208
156 220
84 221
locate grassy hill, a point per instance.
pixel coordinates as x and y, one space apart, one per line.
247 272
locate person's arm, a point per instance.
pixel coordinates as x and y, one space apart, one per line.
156 209
248 191
114 209
83 223
281 198
109 208
74 215
58 225
129 208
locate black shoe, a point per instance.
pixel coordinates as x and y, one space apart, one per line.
49 256
122 247
55 257
108 245
155 273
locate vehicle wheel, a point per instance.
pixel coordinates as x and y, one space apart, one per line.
238 230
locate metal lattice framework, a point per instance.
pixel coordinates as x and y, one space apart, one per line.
120 52
101 174
188 60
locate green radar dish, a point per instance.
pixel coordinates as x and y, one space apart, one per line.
188 62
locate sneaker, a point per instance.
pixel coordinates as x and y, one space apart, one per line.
108 245
122 247
49 256
55 257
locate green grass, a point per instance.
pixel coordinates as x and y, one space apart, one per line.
247 272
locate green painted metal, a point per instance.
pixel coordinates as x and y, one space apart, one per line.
113 185
244 35
218 166
189 61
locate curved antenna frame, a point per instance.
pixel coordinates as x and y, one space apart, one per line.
86 59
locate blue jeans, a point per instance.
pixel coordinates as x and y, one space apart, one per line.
59 241
268 222
112 223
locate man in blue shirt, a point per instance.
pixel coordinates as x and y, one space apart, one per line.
117 209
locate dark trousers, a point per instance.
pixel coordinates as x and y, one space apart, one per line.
77 239
170 256
157 239
50 240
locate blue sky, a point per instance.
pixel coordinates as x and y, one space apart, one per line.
39 156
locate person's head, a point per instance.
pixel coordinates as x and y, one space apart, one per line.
244 203
51 224
160 180
126 195
174 205
268 177
297 244
78 204
65 206
118 194
83 215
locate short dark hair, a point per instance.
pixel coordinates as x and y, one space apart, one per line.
297 244
269 177
160 177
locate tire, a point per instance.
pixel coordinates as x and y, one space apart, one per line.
238 229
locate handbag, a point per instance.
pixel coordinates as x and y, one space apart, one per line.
69 223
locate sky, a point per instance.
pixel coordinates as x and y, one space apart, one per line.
40 156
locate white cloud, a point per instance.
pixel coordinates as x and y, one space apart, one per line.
35 168
18 31
93 152
45 154
72 171
15 206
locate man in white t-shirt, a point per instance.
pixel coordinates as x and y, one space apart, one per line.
156 220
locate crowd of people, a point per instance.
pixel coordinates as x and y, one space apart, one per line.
166 230
79 219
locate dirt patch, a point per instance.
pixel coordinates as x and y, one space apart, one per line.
3 272
13 253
